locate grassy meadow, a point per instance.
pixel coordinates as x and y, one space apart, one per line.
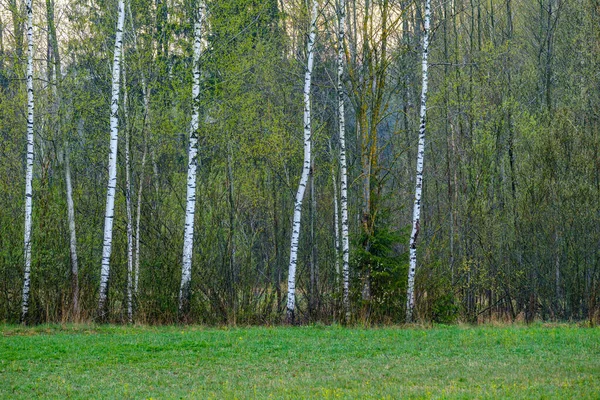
89 361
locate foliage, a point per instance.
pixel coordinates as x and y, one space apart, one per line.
387 269
510 218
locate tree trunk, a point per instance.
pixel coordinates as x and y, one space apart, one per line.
146 96
65 140
410 300
291 301
16 11
336 218
29 168
313 242
136 271
73 238
188 236
343 163
112 163
231 234
128 197
1 44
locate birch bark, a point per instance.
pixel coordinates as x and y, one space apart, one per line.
112 162
291 300
410 297
188 235
29 166
343 163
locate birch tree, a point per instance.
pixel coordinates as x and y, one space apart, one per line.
188 235
291 300
410 297
29 165
112 161
343 163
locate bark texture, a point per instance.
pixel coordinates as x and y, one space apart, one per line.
291 300
410 297
112 163
188 235
343 162
29 165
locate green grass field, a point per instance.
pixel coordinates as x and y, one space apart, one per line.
304 362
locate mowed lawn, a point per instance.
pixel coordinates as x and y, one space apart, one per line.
299 362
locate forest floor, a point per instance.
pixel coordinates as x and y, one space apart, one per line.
90 361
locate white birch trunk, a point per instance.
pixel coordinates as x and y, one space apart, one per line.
343 163
291 300
112 162
29 167
410 295
188 235
128 198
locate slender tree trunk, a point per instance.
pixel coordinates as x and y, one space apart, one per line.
50 70
336 218
410 301
73 237
366 142
188 237
548 64
155 202
343 163
146 96
557 293
1 44
69 187
291 301
112 163
276 240
449 146
313 242
138 216
231 234
16 11
29 168
128 197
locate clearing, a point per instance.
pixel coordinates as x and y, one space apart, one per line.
89 361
